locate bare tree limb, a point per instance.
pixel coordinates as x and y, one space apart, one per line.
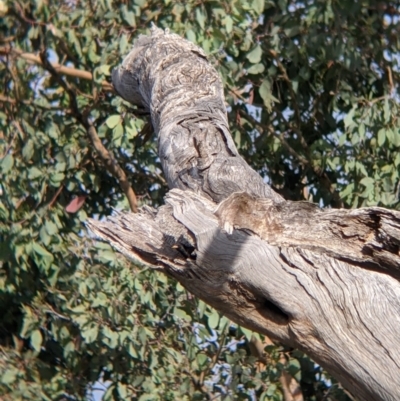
324 281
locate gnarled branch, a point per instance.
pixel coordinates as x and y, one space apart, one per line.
323 281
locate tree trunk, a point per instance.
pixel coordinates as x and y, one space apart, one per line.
323 281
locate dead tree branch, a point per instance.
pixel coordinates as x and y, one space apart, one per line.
323 281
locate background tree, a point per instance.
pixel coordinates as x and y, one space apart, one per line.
313 106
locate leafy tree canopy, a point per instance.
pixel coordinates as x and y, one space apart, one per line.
312 98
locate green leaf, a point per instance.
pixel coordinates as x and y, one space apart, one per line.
90 334
381 137
293 366
56 178
390 135
258 6
271 389
256 69
123 44
129 17
202 360
254 56
41 251
51 228
112 337
105 69
367 181
132 351
28 150
292 31
108 395
213 319
147 397
203 306
200 17
348 120
122 390
29 323
386 111
191 36
397 160
228 22
7 163
9 376
118 131
113 120
361 131
181 314
266 94
248 333
347 191
36 340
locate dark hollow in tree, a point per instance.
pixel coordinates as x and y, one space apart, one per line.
323 281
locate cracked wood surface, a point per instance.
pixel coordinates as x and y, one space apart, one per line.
323 281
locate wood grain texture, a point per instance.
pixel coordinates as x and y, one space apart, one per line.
323 281
172 80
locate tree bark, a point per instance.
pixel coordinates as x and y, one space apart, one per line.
323 281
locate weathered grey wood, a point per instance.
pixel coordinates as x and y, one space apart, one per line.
323 281
172 79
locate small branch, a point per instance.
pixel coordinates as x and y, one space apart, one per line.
19 129
285 143
10 144
53 312
110 163
19 13
112 166
199 386
286 78
7 39
290 386
146 133
214 361
54 198
60 69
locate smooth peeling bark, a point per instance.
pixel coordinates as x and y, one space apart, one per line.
323 281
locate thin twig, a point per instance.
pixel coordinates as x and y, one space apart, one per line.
54 198
286 78
285 143
110 163
60 69
214 360
198 385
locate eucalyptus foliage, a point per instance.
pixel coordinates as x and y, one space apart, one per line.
313 103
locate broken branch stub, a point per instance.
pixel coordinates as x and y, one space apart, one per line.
323 281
